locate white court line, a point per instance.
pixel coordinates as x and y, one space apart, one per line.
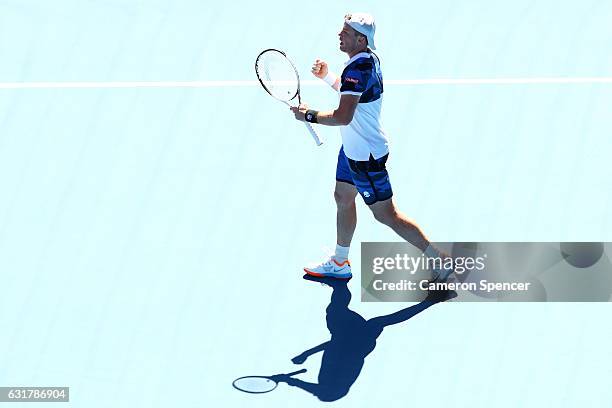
225 84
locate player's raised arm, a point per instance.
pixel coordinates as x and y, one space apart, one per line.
321 71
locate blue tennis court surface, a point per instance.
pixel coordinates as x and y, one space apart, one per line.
152 239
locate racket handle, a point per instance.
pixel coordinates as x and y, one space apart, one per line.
303 370
314 134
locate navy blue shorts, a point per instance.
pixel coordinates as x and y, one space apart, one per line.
370 178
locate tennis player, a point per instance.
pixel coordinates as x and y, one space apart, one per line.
364 152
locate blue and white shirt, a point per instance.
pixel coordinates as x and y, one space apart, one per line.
364 135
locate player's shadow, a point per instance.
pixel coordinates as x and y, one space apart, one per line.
353 338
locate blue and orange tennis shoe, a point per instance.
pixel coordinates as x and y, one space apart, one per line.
331 269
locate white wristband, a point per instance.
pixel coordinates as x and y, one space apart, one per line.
330 78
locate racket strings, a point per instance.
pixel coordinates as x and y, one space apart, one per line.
278 75
255 384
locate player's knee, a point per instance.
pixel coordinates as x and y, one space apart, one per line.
387 217
344 199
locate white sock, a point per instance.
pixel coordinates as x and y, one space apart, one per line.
341 254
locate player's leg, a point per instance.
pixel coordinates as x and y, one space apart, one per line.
372 182
344 194
338 266
346 218
387 213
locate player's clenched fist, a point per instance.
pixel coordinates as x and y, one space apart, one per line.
319 68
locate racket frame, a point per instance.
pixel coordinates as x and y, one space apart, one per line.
312 131
303 370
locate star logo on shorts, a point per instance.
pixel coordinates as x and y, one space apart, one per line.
366 194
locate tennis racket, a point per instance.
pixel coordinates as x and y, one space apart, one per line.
256 384
278 76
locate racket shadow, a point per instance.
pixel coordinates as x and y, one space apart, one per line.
353 338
